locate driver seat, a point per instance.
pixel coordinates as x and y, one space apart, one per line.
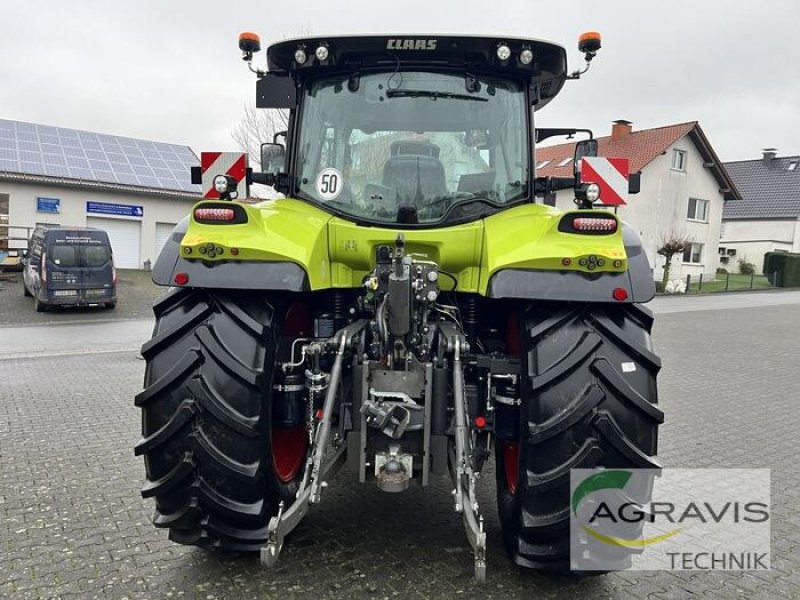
412 162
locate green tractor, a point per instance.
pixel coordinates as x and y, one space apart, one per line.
408 309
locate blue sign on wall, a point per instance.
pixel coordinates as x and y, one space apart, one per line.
120 210
48 205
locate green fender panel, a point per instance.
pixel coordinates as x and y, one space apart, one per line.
289 244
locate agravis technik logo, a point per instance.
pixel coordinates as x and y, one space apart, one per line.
715 519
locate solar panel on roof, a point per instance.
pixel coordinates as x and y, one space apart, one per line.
121 169
56 151
73 151
74 161
54 159
25 156
56 170
32 167
78 173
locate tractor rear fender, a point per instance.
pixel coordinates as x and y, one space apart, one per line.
537 284
275 245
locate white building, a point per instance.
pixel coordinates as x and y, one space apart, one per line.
768 218
684 187
136 190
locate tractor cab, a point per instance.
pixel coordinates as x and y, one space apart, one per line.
405 130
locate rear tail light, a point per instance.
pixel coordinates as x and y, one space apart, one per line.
594 224
43 268
113 272
220 213
586 224
214 214
620 294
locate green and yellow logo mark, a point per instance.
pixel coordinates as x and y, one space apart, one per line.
604 480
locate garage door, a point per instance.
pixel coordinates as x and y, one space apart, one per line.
162 235
125 239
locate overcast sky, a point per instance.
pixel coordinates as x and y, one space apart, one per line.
170 70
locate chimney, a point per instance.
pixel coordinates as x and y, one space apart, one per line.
620 129
768 155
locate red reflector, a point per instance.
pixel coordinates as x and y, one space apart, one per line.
566 262
214 214
620 294
319 414
594 224
480 422
181 278
235 251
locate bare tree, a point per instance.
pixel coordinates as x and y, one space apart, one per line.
256 127
672 243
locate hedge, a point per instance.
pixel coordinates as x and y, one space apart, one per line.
786 265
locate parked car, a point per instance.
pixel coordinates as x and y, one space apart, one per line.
70 266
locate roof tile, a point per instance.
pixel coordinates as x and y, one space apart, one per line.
769 190
640 147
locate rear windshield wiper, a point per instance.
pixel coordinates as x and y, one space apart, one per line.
432 95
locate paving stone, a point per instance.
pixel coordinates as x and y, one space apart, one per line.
72 523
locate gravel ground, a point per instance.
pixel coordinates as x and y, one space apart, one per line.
135 295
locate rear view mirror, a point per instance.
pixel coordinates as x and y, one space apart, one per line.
273 158
582 149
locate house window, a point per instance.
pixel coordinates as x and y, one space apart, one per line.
792 166
543 164
693 254
565 162
698 210
679 160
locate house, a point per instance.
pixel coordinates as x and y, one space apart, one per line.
684 187
136 190
768 218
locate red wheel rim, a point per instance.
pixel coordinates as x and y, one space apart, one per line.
511 449
289 451
511 465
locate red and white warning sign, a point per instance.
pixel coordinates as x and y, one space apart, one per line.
233 164
611 174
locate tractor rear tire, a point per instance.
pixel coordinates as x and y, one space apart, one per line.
588 399
206 419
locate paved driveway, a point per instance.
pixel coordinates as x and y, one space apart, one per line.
72 523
